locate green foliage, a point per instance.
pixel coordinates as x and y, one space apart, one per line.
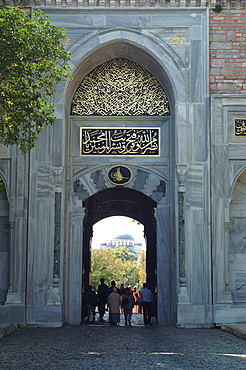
141 267
102 266
32 61
133 277
113 264
123 253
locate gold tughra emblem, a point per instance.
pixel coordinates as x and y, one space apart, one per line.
119 175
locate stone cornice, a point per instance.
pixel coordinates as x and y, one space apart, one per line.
122 4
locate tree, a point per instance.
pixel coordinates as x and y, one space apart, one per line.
123 253
141 267
32 61
102 266
104 263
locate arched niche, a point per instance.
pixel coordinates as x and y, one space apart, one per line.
120 87
238 240
151 177
4 242
157 61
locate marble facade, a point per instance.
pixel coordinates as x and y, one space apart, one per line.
200 213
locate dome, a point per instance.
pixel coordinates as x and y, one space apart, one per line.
124 237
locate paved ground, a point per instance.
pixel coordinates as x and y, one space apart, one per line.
101 346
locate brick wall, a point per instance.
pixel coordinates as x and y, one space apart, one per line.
228 51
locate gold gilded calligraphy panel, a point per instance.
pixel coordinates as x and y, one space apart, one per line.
120 87
120 141
240 126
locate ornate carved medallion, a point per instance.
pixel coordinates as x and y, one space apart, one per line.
119 175
120 87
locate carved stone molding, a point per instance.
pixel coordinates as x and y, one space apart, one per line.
120 87
231 4
181 173
11 224
54 298
58 176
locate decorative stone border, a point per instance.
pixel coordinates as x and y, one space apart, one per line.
232 4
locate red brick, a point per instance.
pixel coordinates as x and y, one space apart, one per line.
233 52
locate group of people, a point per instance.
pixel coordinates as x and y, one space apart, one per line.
119 300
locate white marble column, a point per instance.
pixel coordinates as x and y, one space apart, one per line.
163 264
75 265
227 293
18 228
11 267
4 259
54 293
182 297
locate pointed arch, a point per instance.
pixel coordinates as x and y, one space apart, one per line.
120 201
237 232
120 87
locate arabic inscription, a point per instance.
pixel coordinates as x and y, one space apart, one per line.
119 141
240 126
120 87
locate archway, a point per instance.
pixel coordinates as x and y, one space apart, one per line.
237 236
5 243
153 175
120 201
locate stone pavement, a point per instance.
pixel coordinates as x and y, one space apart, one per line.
236 329
6 329
102 346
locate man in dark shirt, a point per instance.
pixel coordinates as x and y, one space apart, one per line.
102 297
110 290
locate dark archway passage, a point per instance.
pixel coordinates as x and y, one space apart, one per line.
120 201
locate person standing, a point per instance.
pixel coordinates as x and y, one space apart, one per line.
121 292
127 305
102 298
114 307
90 302
110 289
136 296
146 298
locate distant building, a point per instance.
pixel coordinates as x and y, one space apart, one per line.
124 240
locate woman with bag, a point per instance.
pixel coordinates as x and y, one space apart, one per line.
114 307
127 305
